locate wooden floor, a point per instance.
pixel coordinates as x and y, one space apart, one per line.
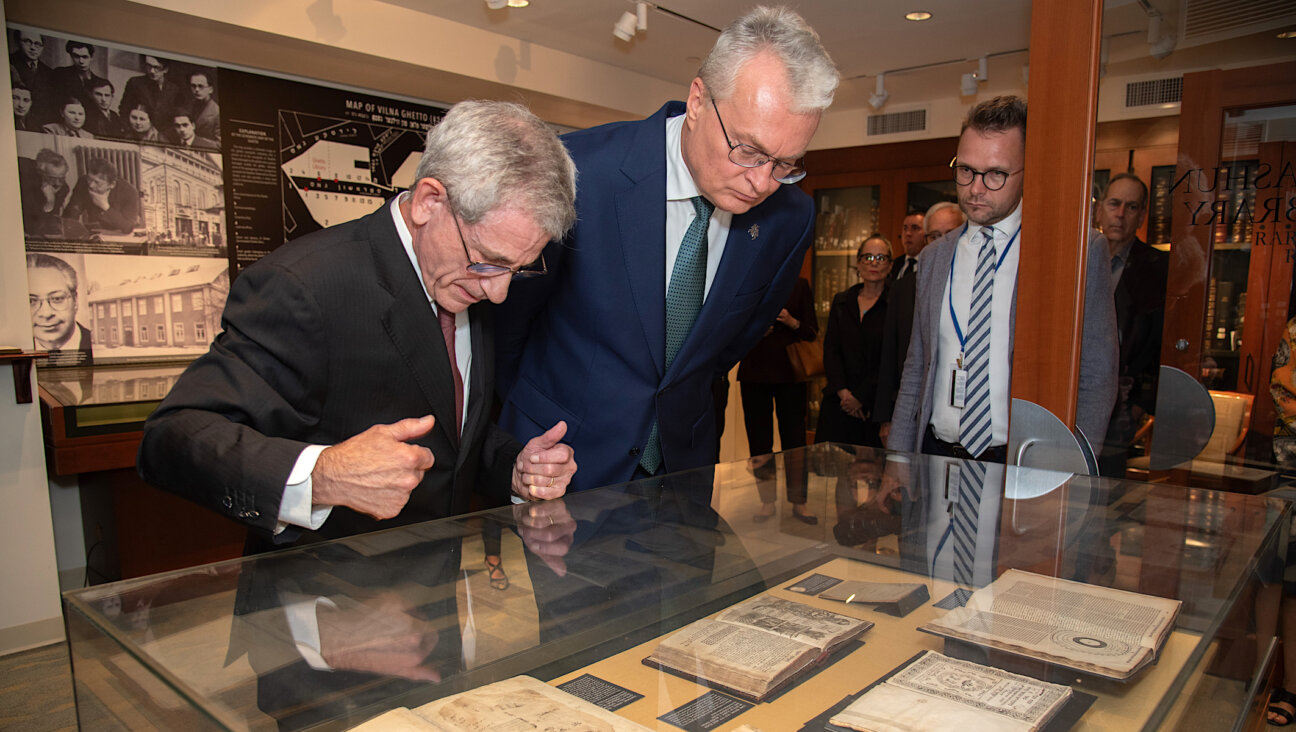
36 691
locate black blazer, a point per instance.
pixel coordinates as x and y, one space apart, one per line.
325 337
1140 312
851 346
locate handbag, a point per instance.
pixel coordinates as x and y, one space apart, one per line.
806 358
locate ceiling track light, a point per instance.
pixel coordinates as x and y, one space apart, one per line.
631 23
968 82
879 96
1161 41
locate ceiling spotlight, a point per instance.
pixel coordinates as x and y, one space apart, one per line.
496 4
918 15
982 74
630 23
1161 42
969 86
625 27
879 97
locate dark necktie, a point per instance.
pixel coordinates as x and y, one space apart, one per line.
683 301
447 319
907 267
974 424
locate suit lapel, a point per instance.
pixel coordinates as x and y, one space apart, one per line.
410 322
744 246
483 350
641 225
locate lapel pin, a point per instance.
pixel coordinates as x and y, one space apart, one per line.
754 231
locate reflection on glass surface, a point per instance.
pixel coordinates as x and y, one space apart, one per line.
110 385
335 633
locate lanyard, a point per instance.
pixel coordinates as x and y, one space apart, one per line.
957 330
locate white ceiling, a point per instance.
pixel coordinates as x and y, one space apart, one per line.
865 38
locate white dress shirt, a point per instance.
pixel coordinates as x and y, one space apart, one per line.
680 190
943 490
958 291
296 506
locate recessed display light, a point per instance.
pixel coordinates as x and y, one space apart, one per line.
918 15
518 3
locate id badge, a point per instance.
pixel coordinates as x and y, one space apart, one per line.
958 388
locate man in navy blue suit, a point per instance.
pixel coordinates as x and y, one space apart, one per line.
591 344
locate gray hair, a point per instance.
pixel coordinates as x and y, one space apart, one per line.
811 74
937 208
47 261
495 155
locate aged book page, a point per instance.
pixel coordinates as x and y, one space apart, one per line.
1095 629
520 703
800 622
937 692
756 645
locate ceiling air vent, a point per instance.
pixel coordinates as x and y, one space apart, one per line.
891 123
1209 21
1154 91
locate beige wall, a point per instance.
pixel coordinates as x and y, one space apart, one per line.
29 612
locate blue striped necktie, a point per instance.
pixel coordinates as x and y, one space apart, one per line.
964 520
683 302
974 424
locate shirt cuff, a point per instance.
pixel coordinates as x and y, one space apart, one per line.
302 614
295 507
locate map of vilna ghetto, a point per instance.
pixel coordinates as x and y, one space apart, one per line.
341 169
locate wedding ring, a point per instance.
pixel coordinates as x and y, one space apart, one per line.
551 481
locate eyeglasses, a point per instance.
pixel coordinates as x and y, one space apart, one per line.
993 180
870 258
492 270
56 301
749 157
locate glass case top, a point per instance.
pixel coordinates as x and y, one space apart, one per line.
336 633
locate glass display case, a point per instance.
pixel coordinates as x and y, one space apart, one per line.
93 416
330 635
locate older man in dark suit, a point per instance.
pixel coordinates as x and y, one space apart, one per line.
329 406
1139 273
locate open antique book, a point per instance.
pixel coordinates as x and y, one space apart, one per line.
756 647
937 692
1098 630
517 703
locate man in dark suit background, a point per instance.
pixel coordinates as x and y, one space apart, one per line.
328 406
1139 274
913 240
694 194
